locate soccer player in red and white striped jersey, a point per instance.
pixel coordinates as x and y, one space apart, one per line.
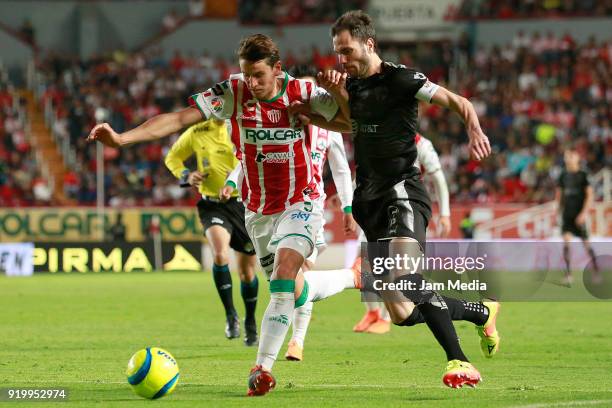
282 215
273 147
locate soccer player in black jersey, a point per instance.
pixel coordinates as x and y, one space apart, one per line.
574 197
390 202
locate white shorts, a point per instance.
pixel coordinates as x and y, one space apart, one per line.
266 231
320 243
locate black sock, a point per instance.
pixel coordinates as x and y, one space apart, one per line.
223 282
593 259
248 290
439 322
474 312
566 258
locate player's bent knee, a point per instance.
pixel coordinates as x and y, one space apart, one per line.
297 243
412 320
221 258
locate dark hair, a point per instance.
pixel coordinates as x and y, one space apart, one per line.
570 147
357 23
303 70
257 47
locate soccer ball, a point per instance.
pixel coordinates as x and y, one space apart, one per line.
152 372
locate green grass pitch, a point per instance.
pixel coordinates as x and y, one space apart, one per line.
78 331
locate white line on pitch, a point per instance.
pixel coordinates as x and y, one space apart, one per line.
563 404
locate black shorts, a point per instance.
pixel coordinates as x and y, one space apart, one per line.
403 211
569 225
229 215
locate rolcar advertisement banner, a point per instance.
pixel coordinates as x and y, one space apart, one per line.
91 257
475 270
84 224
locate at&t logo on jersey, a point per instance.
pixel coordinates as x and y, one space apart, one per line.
274 157
275 136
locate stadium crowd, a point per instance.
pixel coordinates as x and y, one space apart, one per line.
507 9
533 96
278 12
21 182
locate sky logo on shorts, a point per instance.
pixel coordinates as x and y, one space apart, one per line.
216 220
300 215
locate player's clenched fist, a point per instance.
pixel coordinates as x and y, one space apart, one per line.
105 134
301 111
332 80
226 193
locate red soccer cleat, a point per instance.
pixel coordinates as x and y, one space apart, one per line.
261 382
459 373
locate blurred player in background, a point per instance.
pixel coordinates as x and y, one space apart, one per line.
223 223
574 197
377 319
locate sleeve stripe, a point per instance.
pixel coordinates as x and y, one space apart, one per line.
193 101
426 92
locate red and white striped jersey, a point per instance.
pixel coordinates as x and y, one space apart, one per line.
328 145
272 147
427 158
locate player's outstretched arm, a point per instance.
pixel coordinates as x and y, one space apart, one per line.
441 188
155 128
478 141
338 124
306 115
558 199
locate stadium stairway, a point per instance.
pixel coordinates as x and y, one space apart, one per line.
46 150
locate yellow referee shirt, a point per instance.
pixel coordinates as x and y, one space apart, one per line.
210 143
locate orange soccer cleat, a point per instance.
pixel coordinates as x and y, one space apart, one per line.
371 317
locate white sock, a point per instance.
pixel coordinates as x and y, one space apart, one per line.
323 284
372 305
384 313
301 320
274 326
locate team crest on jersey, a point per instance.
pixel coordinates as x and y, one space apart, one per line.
274 115
216 104
321 145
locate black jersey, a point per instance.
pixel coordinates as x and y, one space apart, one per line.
384 111
573 191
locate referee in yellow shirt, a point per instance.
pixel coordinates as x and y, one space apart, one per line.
223 223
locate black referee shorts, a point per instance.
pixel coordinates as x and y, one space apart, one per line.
569 225
229 215
403 211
